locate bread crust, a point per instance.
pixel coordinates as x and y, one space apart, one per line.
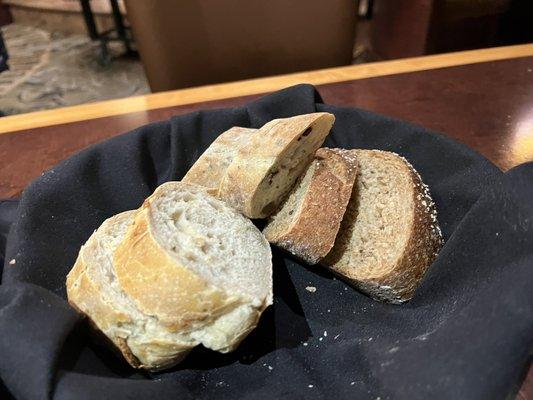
398 284
180 300
84 295
211 166
261 158
312 233
182 309
160 286
425 241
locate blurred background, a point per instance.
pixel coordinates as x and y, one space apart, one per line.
56 53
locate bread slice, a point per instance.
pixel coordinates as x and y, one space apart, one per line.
389 235
210 168
184 269
93 290
268 164
307 223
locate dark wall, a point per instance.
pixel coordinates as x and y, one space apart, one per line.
5 15
405 28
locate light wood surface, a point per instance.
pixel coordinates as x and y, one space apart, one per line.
256 86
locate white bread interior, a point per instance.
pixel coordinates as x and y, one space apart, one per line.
267 166
184 269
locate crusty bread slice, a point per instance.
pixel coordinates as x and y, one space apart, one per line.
211 166
389 235
307 223
268 164
93 289
187 270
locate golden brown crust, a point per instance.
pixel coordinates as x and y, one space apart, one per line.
85 297
399 283
165 309
268 150
181 301
312 233
122 345
425 241
161 287
211 166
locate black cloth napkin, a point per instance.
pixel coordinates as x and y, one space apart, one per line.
466 334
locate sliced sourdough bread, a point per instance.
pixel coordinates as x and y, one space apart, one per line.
269 163
187 270
307 223
210 168
389 235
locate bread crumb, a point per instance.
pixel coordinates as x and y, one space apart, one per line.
352 383
325 333
311 289
305 343
394 349
12 262
310 386
270 368
320 339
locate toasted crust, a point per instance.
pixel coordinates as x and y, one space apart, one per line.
122 345
210 168
398 283
181 301
311 234
161 287
248 180
167 308
84 295
425 241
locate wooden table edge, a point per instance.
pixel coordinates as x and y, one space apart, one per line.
256 86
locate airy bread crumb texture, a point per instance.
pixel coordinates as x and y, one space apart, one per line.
294 160
286 215
308 221
389 235
267 166
214 241
233 270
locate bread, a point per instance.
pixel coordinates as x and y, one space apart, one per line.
210 168
389 235
92 288
187 270
307 223
268 164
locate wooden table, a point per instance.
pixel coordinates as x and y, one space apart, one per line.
483 98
